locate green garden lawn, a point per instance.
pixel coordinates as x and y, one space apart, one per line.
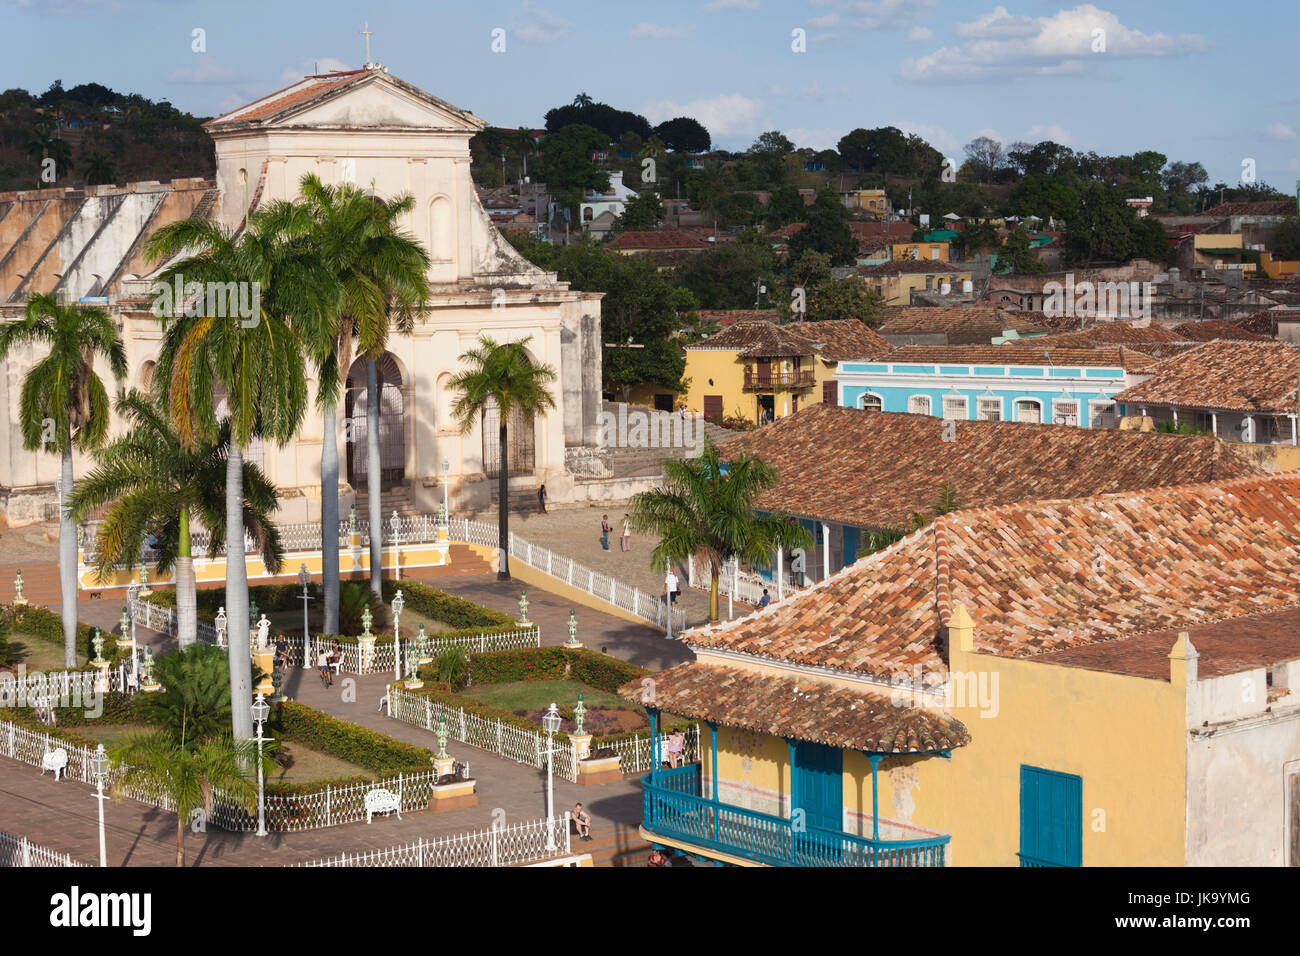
532 694
39 655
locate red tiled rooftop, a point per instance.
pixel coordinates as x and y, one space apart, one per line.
1231 376
657 239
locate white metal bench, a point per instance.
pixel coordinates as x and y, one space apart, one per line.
381 800
56 760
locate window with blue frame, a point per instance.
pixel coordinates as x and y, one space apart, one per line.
1051 818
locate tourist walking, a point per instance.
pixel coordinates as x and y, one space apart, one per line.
541 500
605 529
627 533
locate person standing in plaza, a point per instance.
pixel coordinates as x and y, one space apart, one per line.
605 529
541 500
627 533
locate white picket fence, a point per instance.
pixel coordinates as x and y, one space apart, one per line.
20 851
59 688
520 745
327 807
645 605
497 846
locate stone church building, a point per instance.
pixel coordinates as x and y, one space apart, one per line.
369 128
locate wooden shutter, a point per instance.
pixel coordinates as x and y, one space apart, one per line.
713 408
830 393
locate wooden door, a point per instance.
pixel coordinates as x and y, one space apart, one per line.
713 408
830 393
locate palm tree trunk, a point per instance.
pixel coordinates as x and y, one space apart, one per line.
239 653
503 505
713 596
375 505
180 839
329 519
68 565
187 612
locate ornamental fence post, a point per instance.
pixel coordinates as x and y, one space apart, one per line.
327 807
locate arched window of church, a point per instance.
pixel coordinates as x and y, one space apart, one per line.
442 232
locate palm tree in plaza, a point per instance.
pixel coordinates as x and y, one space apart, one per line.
706 509
63 405
256 362
152 483
500 375
381 275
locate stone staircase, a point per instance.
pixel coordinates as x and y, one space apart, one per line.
620 845
397 498
40 584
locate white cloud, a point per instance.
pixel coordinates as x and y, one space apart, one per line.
919 34
818 138
732 5
1004 45
1057 134
727 114
535 25
872 14
204 69
655 31
1280 131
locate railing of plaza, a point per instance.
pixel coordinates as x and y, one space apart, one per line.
748 588
327 807
645 605
497 846
163 620
520 745
58 688
673 807
20 851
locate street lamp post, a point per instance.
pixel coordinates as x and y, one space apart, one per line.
98 769
305 579
396 522
261 710
446 467
398 603
551 724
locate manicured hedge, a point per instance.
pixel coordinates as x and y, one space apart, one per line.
47 626
366 748
552 663
445 607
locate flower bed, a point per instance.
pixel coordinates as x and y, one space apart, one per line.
552 663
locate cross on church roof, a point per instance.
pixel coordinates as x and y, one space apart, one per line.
367 33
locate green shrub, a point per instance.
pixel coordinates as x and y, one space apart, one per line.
441 606
553 663
47 626
366 748
453 667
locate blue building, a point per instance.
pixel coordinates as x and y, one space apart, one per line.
1013 382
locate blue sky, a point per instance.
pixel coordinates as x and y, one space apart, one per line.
1193 79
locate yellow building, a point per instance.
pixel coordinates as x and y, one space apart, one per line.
762 371
896 281
928 251
871 201
985 692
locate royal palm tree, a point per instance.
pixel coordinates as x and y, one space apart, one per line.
706 509
64 404
186 776
152 483
402 276
501 376
377 268
526 146
256 361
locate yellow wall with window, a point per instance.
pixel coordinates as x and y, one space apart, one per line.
726 370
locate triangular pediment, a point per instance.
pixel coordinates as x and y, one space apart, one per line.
362 99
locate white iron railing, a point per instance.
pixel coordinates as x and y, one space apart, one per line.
520 745
20 851
497 846
645 605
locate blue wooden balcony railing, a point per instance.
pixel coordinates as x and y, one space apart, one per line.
674 808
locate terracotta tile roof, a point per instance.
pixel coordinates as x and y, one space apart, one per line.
304 91
1026 352
785 232
725 317
657 239
1043 576
873 243
1113 333
1271 207
875 469
1263 322
911 267
718 237
1234 376
1210 329
963 325
895 230
1224 647
801 708
833 341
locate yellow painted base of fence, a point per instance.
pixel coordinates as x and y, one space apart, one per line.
453 796
592 773
433 554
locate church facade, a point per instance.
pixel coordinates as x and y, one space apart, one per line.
372 129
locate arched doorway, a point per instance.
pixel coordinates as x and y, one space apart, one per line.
392 424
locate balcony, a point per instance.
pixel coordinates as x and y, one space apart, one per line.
674 809
755 381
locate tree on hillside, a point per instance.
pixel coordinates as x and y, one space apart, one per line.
727 277
1286 241
784 206
848 298
684 134
1016 256
827 231
772 143
641 213
985 156
1101 228
566 164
